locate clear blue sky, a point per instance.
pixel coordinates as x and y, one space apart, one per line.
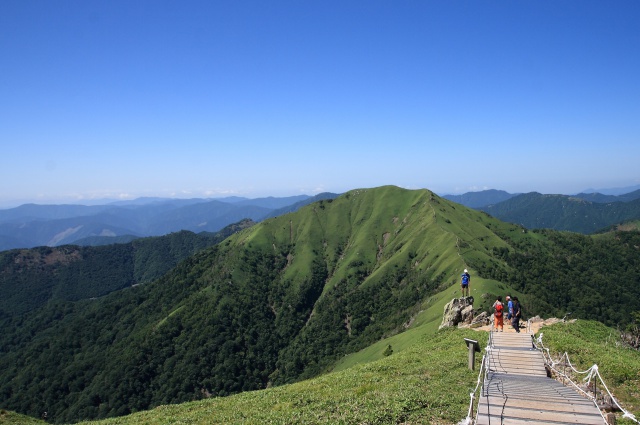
120 99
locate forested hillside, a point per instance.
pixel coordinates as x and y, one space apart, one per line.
284 299
29 278
594 277
561 212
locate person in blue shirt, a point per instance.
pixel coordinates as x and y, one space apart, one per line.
465 282
509 307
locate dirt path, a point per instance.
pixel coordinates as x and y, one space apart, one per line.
536 324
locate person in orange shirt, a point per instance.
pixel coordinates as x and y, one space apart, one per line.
498 313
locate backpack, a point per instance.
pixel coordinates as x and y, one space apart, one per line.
465 279
499 308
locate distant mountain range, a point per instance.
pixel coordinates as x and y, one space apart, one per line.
584 213
614 190
32 225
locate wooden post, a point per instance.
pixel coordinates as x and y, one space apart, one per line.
473 348
611 418
471 416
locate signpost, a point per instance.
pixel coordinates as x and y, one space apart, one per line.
473 349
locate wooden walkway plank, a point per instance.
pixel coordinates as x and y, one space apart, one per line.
485 420
544 415
560 406
517 390
535 395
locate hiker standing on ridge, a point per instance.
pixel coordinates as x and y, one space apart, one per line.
465 282
509 307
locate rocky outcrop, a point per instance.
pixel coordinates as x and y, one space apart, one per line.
482 319
458 311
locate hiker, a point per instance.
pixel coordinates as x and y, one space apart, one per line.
498 308
509 307
465 281
517 313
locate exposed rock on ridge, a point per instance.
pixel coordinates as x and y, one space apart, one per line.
457 311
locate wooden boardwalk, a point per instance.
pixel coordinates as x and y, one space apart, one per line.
517 390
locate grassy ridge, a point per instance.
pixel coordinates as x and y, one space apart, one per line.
377 229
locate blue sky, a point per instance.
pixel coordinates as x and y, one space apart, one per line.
121 99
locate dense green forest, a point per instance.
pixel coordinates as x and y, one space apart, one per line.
29 278
283 300
586 214
595 278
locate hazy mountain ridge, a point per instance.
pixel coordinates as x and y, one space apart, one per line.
32 225
284 299
481 198
614 191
